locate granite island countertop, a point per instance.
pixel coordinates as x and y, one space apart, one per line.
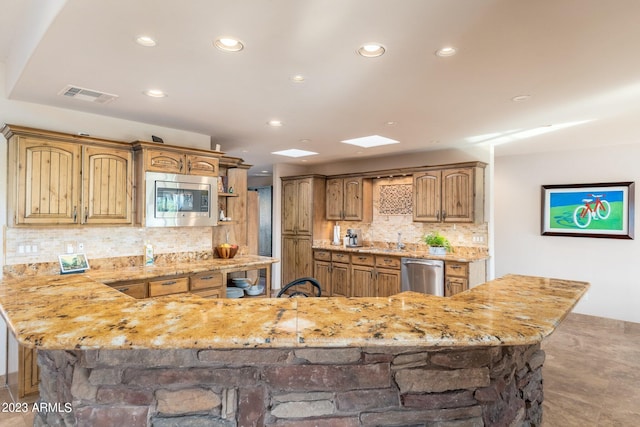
80 312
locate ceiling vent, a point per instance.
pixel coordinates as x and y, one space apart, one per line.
90 95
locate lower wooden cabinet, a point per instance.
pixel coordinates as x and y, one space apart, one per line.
168 286
460 276
22 369
209 284
357 274
135 289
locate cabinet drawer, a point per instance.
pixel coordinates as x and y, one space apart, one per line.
460 269
210 293
171 285
135 290
387 262
362 259
207 279
340 257
322 255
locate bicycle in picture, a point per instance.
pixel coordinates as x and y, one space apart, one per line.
583 214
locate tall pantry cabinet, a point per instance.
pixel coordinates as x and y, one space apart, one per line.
303 205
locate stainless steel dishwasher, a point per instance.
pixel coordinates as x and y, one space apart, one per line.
422 275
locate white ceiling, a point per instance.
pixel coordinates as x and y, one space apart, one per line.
578 60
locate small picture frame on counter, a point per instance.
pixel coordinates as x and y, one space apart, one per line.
73 263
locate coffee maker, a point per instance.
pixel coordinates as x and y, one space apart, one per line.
354 238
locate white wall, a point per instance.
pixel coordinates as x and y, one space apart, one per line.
611 265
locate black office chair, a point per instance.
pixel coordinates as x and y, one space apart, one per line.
299 282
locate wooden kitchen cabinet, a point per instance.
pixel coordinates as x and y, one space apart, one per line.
460 276
297 256
208 284
349 199
449 195
168 286
303 221
58 179
322 272
171 161
375 276
340 279
133 288
107 185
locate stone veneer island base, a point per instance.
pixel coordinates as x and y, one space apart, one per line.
332 387
473 359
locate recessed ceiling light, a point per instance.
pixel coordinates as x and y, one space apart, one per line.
294 152
305 141
274 123
145 41
228 44
371 50
297 78
370 141
155 93
521 98
391 123
446 51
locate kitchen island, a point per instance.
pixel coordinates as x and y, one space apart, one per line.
109 359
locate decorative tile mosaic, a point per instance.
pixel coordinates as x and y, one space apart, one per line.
396 199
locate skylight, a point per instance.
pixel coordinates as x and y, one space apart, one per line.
294 152
370 141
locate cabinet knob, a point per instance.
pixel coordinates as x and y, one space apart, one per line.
75 214
172 282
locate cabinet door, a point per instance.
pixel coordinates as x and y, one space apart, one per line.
457 195
455 285
289 207
202 165
322 273
387 282
305 206
352 200
340 280
107 186
304 257
426 196
164 161
289 259
362 280
48 182
28 371
334 199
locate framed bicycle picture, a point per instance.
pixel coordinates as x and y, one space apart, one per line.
588 210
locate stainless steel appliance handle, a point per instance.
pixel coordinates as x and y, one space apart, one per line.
423 262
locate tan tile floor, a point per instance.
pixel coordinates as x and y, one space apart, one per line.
592 373
591 376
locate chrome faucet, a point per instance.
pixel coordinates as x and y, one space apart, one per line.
400 245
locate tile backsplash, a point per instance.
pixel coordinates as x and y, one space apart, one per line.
35 245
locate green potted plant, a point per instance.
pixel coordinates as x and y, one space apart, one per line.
438 244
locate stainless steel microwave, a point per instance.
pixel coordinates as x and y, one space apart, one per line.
180 200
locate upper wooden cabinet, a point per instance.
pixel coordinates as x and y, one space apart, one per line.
298 204
158 160
449 195
107 185
57 179
349 199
